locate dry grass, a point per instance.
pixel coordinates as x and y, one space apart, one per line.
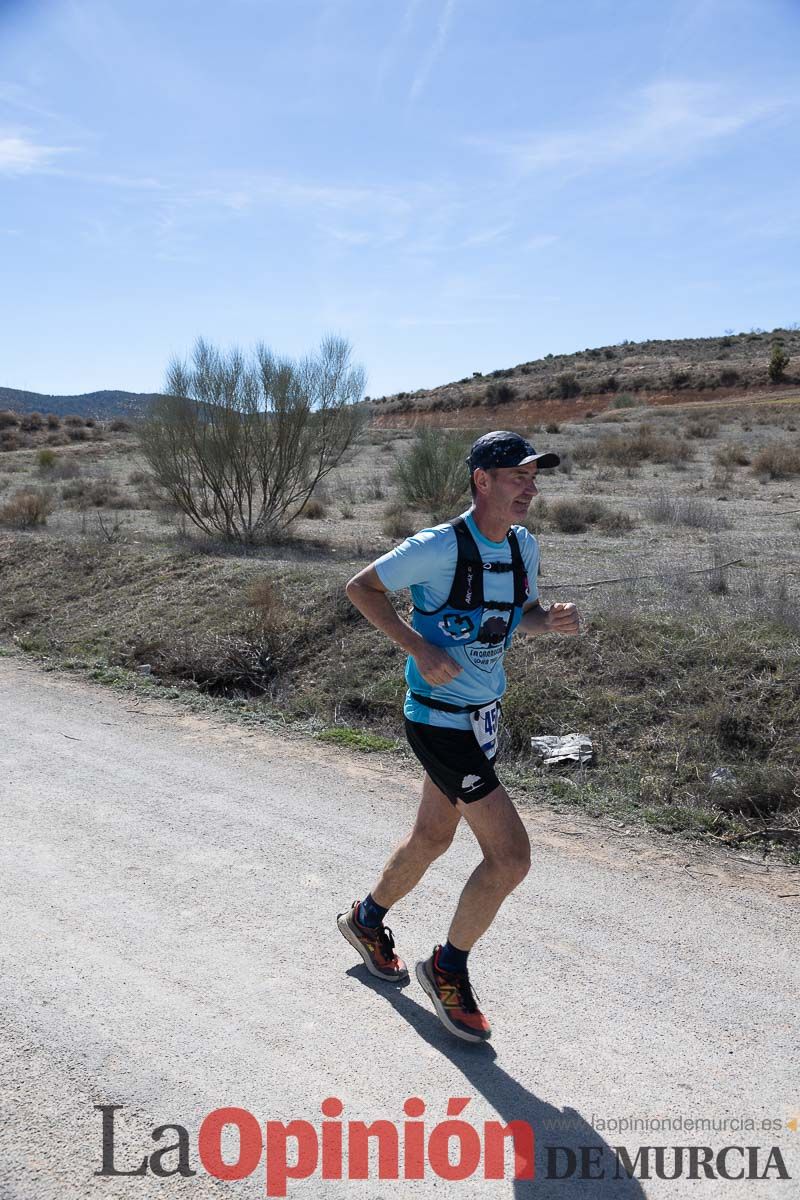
666 508
645 444
94 493
275 627
397 522
777 461
27 508
576 515
732 454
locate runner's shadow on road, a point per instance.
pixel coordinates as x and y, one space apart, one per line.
553 1127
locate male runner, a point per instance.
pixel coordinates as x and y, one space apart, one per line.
472 581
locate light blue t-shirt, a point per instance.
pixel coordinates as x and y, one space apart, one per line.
426 563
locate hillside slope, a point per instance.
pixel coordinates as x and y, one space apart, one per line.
101 405
654 371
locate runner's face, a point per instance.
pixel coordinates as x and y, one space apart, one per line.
512 489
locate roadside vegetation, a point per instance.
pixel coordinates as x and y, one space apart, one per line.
677 530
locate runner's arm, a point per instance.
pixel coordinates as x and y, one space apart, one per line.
370 597
558 618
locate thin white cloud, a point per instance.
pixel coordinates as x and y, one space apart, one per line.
484 237
441 322
133 183
19 155
671 119
17 96
540 241
435 49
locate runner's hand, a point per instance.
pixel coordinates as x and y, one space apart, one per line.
562 618
435 665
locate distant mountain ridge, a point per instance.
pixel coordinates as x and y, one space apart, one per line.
102 405
652 371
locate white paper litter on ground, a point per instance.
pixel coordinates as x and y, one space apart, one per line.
571 747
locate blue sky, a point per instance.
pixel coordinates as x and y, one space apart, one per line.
454 185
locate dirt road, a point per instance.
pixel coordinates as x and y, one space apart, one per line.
170 885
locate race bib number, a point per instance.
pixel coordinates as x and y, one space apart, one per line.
485 724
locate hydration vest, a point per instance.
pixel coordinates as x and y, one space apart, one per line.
461 620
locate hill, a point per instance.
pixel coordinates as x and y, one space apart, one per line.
556 386
101 405
564 385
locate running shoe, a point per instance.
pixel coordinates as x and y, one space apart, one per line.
454 1000
376 946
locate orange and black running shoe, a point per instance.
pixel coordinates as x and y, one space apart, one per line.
454 1000
376 946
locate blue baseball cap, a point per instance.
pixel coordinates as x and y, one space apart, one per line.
501 448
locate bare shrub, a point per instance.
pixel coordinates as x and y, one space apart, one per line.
578 514
9 439
78 433
568 385
120 425
313 510
73 420
94 493
643 444
31 422
264 602
66 468
614 520
702 427
433 474
777 461
8 419
584 453
537 518
574 516
667 509
240 444
397 522
53 421
499 393
27 508
375 487
732 454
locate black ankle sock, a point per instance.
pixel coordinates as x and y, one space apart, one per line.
370 914
452 959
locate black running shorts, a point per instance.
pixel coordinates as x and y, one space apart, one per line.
454 761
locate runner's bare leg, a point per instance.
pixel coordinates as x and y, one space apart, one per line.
431 835
506 861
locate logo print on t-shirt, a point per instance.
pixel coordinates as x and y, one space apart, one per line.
457 626
493 630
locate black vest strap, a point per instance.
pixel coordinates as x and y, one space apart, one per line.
443 706
518 567
466 590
